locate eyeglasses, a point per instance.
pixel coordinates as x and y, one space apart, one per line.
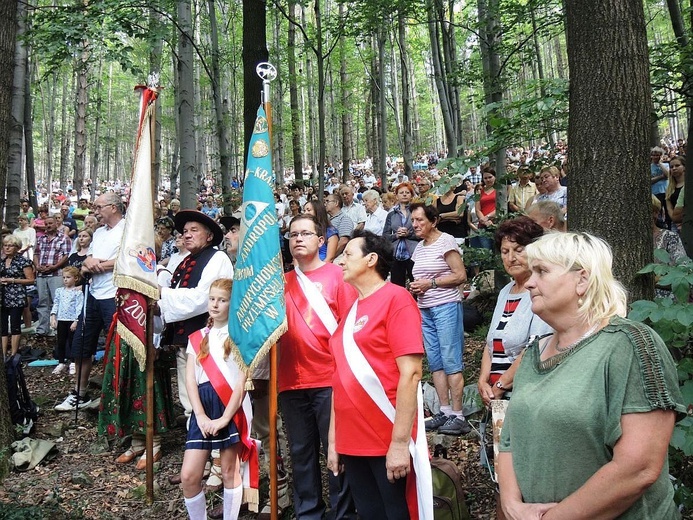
302 234
99 207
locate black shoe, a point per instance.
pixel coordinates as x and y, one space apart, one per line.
455 425
435 422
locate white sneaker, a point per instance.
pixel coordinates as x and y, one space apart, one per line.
59 369
70 402
73 369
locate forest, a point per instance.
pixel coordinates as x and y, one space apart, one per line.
457 79
365 78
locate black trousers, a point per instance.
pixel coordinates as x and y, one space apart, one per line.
62 349
375 497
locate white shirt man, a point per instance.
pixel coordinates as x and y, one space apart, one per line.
369 179
355 211
375 214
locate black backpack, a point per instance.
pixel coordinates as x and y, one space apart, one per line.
448 491
23 410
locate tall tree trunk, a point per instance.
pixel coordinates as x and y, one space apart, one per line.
156 46
441 80
322 139
220 111
8 29
489 19
344 90
278 94
683 41
186 109
610 106
394 88
29 135
15 161
65 143
95 137
293 97
49 125
254 52
174 166
202 165
447 41
406 96
382 102
82 98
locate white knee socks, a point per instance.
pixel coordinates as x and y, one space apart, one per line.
197 507
232 502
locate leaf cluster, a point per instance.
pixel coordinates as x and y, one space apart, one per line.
672 319
62 33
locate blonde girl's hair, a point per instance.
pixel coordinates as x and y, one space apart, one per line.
225 284
605 296
71 269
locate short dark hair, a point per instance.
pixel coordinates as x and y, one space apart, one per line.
522 230
319 229
431 212
337 199
373 243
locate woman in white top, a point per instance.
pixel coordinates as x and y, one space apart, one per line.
28 237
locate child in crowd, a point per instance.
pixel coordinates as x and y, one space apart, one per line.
221 409
67 306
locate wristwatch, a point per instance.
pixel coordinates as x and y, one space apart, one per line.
500 385
434 285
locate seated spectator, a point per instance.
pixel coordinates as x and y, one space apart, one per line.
548 215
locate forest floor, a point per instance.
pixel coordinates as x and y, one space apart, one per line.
83 482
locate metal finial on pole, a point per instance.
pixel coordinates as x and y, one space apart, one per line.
267 73
153 80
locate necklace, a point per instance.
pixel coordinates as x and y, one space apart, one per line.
563 353
585 335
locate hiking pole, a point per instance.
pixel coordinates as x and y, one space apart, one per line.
79 361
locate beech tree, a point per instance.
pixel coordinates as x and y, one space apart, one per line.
608 131
8 27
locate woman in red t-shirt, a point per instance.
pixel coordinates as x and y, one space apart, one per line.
486 205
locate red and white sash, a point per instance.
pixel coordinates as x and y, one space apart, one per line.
422 491
250 448
316 301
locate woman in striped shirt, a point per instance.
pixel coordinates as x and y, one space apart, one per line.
438 271
513 324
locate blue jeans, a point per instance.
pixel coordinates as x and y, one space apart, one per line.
306 416
443 335
99 314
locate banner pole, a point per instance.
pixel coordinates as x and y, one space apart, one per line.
267 72
151 353
150 402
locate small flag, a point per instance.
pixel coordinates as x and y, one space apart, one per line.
135 270
257 316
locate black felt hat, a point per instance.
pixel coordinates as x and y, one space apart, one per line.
191 215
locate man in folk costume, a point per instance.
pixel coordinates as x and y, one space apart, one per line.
183 305
316 299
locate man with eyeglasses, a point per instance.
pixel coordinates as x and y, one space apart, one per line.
341 222
316 299
100 305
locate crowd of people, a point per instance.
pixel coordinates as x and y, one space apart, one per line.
374 284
